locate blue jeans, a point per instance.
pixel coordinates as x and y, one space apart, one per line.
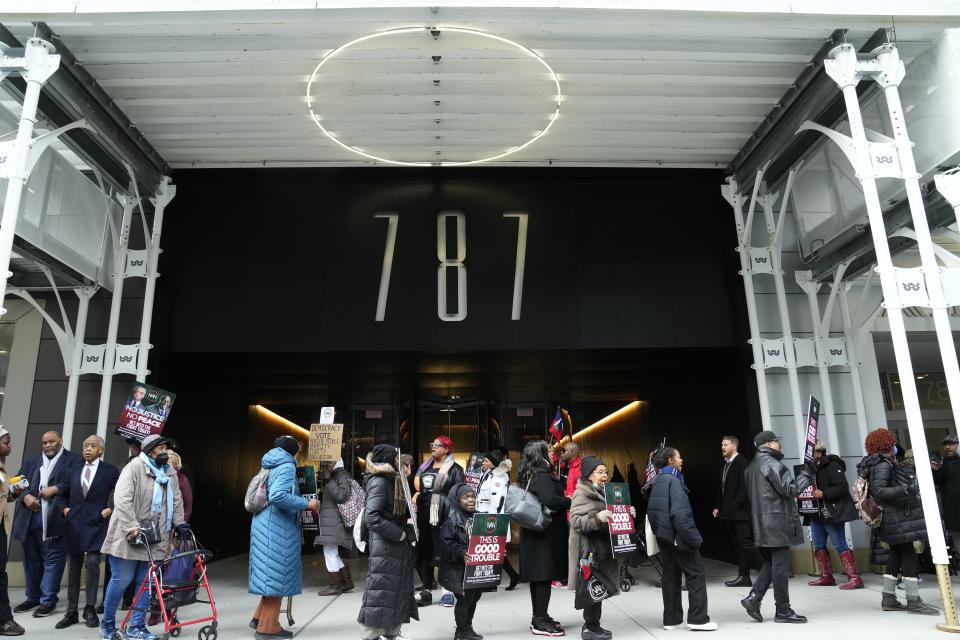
43 565
819 531
122 573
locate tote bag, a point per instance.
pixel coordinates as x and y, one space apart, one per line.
653 547
525 508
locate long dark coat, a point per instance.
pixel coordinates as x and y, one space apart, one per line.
947 478
543 554
335 491
86 527
837 505
388 589
773 494
894 486
59 477
733 503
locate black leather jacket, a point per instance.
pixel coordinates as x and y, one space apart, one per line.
773 491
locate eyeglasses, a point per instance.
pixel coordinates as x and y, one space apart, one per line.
437 445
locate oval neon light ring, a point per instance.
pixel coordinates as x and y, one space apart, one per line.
530 52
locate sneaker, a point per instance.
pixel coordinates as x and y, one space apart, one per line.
44 610
448 600
140 634
283 633
559 584
27 605
556 625
672 627
11 628
595 632
109 634
543 627
706 626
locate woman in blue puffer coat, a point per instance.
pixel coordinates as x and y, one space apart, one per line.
275 569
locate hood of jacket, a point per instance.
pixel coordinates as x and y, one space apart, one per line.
503 469
379 468
456 492
276 457
833 459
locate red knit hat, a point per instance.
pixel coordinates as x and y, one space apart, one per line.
445 441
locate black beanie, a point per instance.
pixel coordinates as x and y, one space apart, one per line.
289 444
384 453
587 465
495 456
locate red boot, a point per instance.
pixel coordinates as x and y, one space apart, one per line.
826 571
850 567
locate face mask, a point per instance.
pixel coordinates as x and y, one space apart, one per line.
895 450
162 459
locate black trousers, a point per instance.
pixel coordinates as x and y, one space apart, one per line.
6 615
540 598
77 562
741 535
591 615
465 608
425 551
903 560
776 570
676 564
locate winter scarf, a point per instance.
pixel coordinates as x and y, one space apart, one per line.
437 498
671 471
380 462
160 480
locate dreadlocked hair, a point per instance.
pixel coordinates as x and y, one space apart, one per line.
879 441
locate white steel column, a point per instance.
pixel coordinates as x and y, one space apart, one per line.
735 198
889 78
110 355
850 339
165 194
775 235
844 68
820 328
41 63
76 359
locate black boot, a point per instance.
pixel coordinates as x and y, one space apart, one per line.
739 581
514 576
752 604
90 616
788 615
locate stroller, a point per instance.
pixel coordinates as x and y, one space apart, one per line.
167 595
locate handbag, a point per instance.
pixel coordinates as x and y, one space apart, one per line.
525 508
352 508
653 547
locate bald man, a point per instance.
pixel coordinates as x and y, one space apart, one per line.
87 508
39 525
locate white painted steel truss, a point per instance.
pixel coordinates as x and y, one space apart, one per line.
18 156
932 286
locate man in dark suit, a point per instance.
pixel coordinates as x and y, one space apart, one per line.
87 508
733 507
39 525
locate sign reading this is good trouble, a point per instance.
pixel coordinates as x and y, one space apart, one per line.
325 442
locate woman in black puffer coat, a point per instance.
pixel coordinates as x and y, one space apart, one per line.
902 527
388 591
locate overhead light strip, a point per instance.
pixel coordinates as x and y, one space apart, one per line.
278 418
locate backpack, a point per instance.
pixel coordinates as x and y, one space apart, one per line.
353 507
867 507
255 500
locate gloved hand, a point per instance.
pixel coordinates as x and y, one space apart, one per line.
183 530
604 516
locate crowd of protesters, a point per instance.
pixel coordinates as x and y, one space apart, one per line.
416 520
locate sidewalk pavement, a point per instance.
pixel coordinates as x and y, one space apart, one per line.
506 615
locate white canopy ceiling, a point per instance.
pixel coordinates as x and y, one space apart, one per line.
639 87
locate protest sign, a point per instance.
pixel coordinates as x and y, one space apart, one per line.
473 470
145 412
326 415
310 520
486 550
808 504
325 442
621 525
